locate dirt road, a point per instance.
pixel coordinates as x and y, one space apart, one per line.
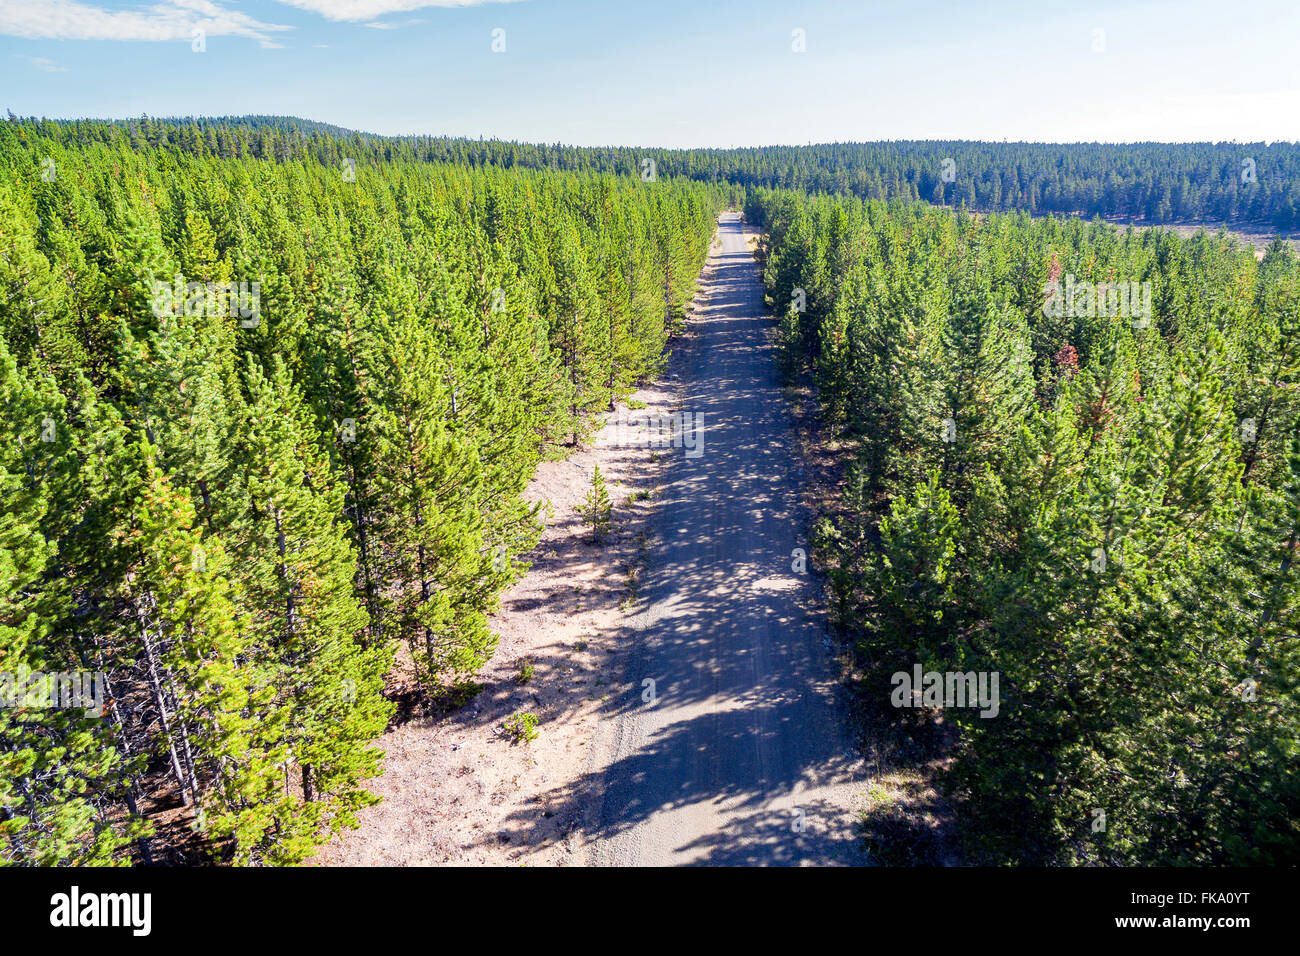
736 752
741 758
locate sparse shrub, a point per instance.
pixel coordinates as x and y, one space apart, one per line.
520 727
597 510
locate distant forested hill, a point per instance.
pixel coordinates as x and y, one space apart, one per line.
1156 182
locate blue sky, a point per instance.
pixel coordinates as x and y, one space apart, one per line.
674 73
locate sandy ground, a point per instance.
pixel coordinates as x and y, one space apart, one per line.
454 789
1256 235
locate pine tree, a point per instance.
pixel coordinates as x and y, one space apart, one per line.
597 509
430 482
911 579
34 319
212 701
296 571
984 384
56 764
576 330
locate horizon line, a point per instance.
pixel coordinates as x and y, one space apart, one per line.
12 116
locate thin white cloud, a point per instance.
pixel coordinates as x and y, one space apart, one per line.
353 10
394 24
45 64
163 21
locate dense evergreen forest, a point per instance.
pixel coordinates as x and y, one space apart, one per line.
1074 461
1152 182
267 419
272 391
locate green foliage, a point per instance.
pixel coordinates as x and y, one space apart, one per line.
1159 182
520 727
1094 506
236 509
597 509
54 763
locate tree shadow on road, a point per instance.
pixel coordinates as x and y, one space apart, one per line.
749 725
